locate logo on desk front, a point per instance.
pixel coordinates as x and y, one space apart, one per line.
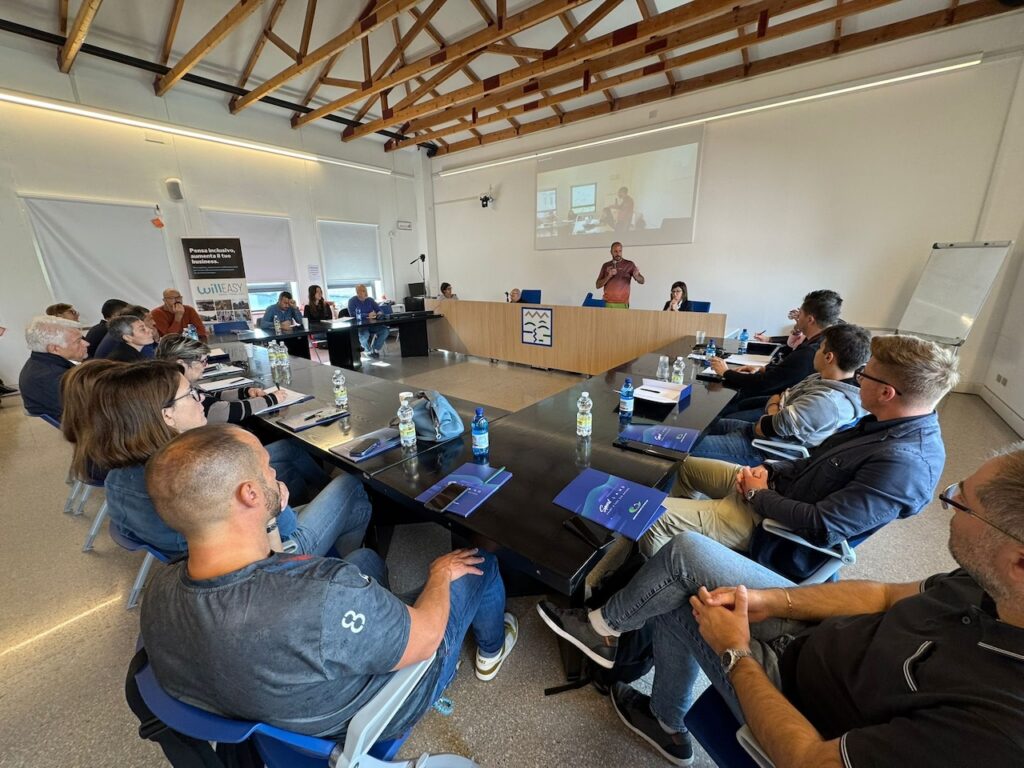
536 325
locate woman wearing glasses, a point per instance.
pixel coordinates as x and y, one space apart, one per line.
226 406
136 409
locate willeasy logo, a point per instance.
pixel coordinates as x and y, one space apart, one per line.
220 289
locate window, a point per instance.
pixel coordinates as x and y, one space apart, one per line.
263 295
584 198
340 292
547 200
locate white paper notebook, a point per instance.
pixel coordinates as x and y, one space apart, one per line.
291 397
216 386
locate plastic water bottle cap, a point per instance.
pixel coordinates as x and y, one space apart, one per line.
479 412
585 394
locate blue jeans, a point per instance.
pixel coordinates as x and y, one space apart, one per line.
660 592
372 339
336 518
296 469
729 440
475 601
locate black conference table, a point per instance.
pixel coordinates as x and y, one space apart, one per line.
296 340
343 336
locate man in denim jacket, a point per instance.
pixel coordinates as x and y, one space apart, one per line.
855 482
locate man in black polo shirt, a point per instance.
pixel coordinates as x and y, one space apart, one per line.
851 674
98 332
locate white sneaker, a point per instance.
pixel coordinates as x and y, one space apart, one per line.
487 668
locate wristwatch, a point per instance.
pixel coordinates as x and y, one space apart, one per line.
749 495
731 656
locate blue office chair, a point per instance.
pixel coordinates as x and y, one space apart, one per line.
700 306
133 544
529 296
230 326
285 749
590 301
77 486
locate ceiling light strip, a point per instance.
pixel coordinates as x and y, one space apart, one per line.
110 117
968 61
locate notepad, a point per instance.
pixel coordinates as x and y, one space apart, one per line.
291 397
232 383
661 391
313 417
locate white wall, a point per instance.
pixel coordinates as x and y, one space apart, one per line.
846 193
51 154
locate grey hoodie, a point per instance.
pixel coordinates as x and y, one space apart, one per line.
814 409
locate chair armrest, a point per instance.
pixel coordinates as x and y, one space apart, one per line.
746 739
779 448
845 554
370 721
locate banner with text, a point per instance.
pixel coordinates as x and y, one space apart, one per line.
216 274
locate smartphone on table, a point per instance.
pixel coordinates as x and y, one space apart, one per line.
363 447
440 501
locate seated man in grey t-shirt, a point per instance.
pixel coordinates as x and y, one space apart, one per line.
298 641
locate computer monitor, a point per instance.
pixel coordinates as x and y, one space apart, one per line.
417 289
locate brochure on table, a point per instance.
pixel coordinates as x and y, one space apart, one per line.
619 505
481 481
388 436
674 438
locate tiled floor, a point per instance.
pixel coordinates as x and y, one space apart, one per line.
65 638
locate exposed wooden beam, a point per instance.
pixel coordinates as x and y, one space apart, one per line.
73 43
581 28
800 24
505 49
340 82
570 27
62 16
239 13
646 12
357 31
541 11
307 28
172 29
277 40
367 71
851 42
261 41
396 32
663 32
426 85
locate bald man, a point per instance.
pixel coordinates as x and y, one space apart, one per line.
174 316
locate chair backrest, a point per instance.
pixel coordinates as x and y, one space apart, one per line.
230 326
343 312
529 296
49 420
590 301
713 724
700 306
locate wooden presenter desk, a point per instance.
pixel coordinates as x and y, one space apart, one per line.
587 340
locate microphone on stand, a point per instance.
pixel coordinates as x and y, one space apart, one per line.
506 297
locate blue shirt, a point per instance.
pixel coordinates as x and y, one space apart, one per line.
267 321
39 383
366 306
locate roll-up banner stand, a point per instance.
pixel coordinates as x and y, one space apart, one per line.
216 274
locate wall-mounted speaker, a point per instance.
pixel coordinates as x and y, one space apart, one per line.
174 190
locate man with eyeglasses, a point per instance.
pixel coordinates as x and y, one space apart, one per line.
856 481
850 674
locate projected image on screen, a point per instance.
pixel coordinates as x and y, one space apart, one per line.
644 198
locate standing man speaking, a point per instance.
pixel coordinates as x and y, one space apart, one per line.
615 277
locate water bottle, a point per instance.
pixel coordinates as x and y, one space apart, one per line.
279 354
584 419
744 338
359 316
481 440
284 357
406 429
582 452
191 332
340 390
662 374
626 399
678 370
710 350
272 354
277 324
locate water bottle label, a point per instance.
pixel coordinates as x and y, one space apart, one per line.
677 377
340 395
407 431
584 423
626 405
481 442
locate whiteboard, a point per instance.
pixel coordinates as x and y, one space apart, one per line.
92 251
952 289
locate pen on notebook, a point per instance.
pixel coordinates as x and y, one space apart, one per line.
648 389
498 472
314 415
